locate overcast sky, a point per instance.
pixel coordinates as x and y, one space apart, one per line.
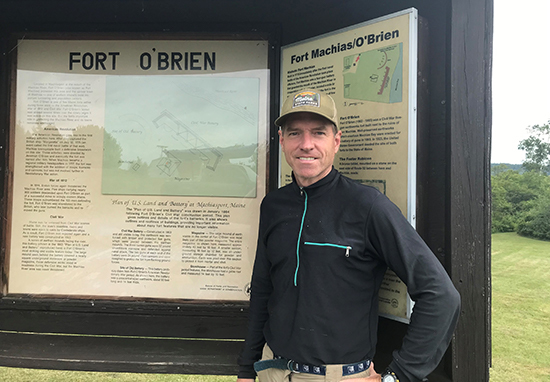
521 74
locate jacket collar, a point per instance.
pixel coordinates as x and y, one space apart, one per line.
318 186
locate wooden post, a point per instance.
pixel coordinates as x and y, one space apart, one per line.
469 200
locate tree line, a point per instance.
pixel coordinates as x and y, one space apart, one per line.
521 198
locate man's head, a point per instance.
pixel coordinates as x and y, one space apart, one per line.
311 101
308 138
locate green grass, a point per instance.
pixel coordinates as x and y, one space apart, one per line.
520 309
8 374
521 323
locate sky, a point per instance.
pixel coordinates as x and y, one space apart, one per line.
521 74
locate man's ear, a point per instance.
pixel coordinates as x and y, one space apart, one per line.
337 140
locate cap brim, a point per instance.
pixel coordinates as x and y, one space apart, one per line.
281 120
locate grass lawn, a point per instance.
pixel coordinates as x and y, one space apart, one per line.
521 309
8 374
521 322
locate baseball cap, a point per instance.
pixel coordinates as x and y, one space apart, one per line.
309 101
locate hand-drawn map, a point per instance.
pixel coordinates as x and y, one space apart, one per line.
375 75
181 135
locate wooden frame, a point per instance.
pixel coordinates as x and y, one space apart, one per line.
453 183
115 323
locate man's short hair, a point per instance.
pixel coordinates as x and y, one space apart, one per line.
307 115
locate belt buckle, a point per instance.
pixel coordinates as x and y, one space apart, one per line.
290 366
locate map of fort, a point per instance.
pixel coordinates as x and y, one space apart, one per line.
375 75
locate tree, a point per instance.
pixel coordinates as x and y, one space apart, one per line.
537 149
112 152
535 223
514 195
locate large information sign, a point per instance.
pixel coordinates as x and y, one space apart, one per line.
370 71
138 167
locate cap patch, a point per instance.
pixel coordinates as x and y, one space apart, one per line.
307 99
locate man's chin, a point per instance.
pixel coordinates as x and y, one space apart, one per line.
307 179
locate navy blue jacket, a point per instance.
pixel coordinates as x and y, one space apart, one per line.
322 253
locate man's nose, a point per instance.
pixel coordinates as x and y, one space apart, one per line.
307 141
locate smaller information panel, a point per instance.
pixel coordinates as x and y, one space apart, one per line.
370 71
139 167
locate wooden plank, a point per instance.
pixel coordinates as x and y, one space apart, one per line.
432 149
6 117
469 230
224 327
105 317
118 354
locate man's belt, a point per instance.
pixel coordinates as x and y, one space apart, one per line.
297 367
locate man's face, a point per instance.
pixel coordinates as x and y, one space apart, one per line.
309 144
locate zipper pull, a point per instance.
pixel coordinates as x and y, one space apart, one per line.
347 251
301 191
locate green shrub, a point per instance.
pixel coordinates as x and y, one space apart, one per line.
514 195
535 223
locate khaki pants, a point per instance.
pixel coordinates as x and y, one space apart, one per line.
334 374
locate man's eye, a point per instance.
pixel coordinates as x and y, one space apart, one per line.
291 134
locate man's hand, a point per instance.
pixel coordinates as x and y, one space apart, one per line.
245 380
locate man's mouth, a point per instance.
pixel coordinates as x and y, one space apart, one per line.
306 158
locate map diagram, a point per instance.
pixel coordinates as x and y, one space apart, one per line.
188 139
375 75
181 135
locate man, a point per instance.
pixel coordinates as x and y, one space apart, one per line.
325 242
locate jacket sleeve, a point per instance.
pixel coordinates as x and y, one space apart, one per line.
437 302
261 288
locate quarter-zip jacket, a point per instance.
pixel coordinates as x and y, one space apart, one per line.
322 253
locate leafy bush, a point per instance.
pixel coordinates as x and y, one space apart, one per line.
536 222
515 198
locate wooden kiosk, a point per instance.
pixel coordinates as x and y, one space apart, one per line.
80 199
